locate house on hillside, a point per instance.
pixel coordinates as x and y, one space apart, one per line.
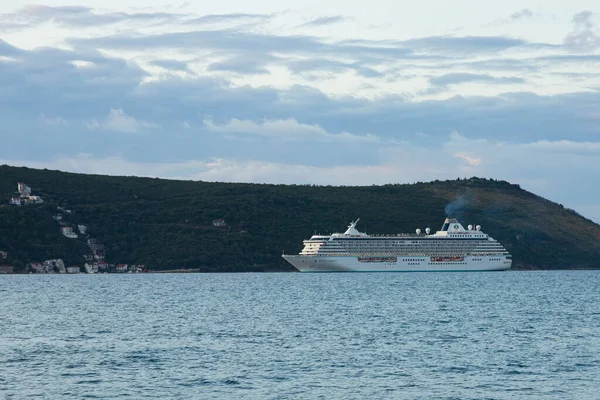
82 229
219 223
32 199
16 201
68 232
23 189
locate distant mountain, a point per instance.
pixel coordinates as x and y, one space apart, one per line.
168 224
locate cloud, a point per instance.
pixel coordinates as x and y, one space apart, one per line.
174 65
458 78
465 44
566 146
52 121
78 16
331 66
469 158
228 18
233 41
246 63
287 130
521 15
7 50
118 121
45 81
328 20
583 36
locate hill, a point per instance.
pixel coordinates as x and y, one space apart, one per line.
168 224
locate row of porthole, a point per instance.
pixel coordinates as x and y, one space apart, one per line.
446 263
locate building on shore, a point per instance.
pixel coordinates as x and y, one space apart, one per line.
121 268
73 270
37 268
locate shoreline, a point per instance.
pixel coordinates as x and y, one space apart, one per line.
198 271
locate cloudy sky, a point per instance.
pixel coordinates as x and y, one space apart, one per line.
334 92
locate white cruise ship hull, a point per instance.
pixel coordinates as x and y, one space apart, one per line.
401 264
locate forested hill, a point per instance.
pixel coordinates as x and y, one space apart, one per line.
168 224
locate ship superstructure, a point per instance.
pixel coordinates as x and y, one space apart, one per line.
453 248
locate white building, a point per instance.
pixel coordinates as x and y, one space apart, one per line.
82 229
219 222
68 232
15 201
35 199
23 189
73 270
37 267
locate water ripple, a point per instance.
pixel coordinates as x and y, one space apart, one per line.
514 335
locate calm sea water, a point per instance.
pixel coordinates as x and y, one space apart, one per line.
504 335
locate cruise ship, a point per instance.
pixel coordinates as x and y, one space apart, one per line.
453 248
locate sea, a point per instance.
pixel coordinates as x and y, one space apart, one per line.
490 335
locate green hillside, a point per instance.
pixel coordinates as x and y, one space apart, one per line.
167 224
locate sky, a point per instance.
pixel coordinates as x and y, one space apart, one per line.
312 92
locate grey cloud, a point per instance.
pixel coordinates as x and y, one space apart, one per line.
502 64
526 65
92 19
456 78
174 65
225 39
52 12
76 16
333 66
358 54
583 36
248 63
465 44
518 16
8 50
45 82
523 14
583 20
227 18
334 19
262 46
579 58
